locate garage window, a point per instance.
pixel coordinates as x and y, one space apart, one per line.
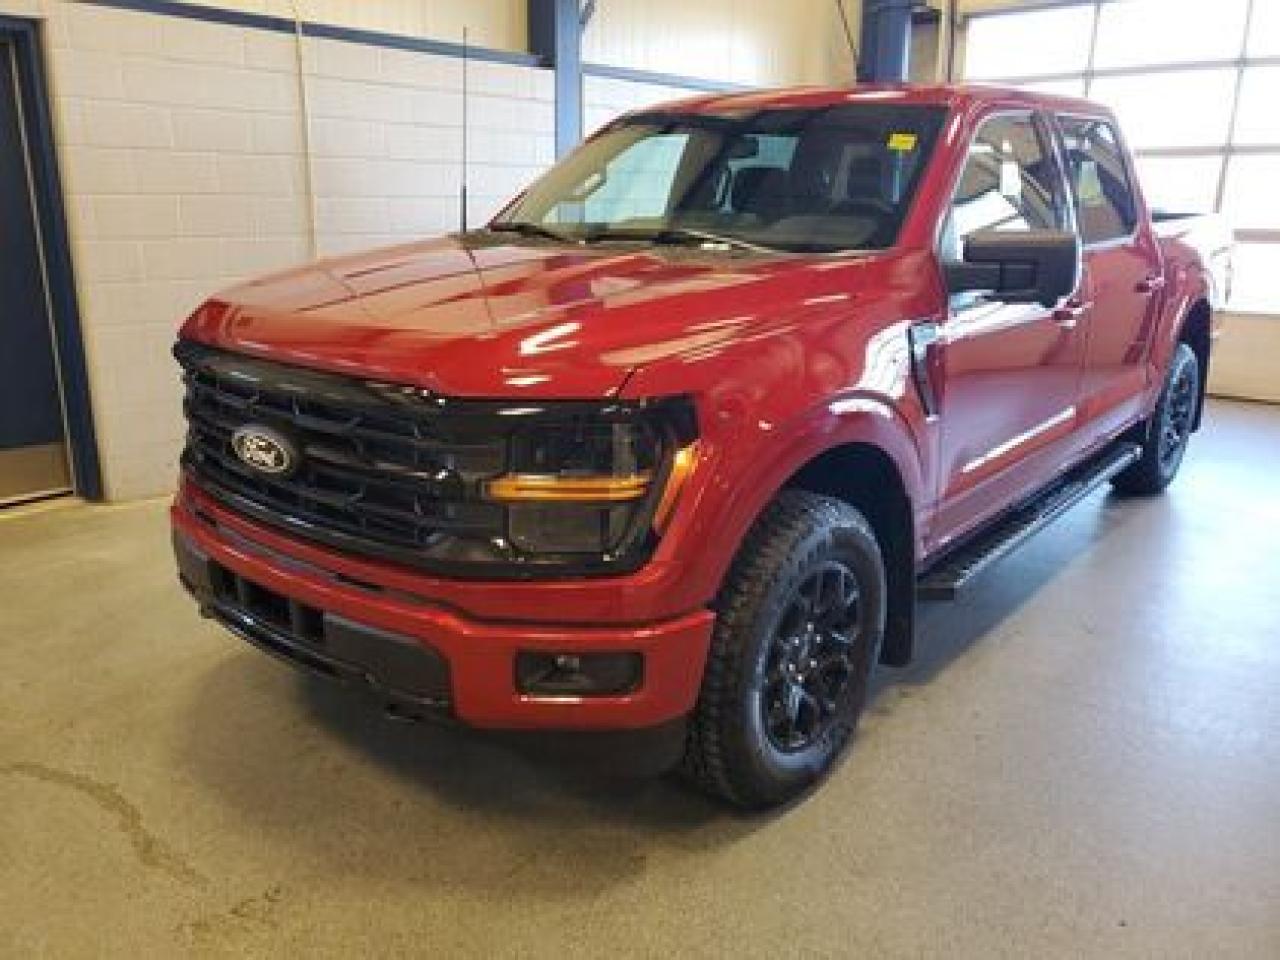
1195 96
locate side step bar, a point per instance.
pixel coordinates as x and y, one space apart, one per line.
954 571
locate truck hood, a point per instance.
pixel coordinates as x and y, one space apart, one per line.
473 318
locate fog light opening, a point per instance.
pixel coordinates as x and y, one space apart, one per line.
578 674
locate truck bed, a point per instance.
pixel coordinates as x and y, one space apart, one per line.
1208 235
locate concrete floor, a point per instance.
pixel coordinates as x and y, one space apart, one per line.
1086 762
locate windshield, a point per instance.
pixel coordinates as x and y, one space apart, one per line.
811 180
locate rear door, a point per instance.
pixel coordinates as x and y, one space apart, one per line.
1010 372
1122 277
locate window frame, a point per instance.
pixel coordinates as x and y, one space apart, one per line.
1049 141
1130 172
1225 152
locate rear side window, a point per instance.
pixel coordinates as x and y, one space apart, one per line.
1010 181
1103 192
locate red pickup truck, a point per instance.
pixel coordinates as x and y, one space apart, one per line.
673 446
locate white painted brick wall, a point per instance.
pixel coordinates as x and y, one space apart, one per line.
387 140
181 149
607 98
212 130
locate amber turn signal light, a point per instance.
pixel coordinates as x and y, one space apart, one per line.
681 467
535 488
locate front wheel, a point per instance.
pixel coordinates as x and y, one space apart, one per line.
801 620
1169 429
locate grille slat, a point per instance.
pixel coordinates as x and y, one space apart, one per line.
355 427
377 471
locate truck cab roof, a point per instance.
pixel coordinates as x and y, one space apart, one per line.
966 95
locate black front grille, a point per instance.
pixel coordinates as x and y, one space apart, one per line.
383 469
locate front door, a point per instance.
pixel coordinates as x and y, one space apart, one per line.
1010 372
33 458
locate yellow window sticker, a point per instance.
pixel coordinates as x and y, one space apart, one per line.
902 142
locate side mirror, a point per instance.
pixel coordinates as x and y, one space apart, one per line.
1036 266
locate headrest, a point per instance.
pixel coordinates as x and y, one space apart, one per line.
865 180
764 191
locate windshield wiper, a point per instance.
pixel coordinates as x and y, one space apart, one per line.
528 229
675 236
687 235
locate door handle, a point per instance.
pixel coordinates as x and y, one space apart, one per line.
1069 314
1152 284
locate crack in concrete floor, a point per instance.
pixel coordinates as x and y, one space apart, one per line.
150 849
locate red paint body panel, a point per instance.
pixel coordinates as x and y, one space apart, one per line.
481 654
786 357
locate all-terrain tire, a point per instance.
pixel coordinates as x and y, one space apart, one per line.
733 750
1168 430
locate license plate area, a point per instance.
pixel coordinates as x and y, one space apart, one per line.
397 666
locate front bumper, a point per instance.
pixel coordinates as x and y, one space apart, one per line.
463 668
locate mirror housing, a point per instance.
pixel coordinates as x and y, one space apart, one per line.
1036 266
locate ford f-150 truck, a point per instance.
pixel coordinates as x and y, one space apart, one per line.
674 445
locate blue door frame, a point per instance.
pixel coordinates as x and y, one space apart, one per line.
82 443
885 56
555 37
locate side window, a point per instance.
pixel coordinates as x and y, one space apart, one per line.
1010 181
1103 194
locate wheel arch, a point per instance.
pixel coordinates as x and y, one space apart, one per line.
1196 332
866 477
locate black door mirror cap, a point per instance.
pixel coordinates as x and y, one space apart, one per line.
1026 266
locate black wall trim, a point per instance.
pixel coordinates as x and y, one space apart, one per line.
666 79
262 21
81 437
187 11
373 38
420 45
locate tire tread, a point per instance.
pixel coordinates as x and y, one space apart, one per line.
1147 476
759 566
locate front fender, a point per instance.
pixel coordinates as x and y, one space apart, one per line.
789 382
864 419
743 468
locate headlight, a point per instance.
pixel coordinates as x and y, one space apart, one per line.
596 484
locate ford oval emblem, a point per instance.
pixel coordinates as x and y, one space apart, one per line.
265 450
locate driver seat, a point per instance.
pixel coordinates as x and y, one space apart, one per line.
762 191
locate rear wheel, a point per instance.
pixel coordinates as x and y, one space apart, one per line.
1169 429
801 621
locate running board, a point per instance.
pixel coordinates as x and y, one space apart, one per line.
956 570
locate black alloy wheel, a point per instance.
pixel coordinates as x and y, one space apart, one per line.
810 662
1179 412
800 620
1167 432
